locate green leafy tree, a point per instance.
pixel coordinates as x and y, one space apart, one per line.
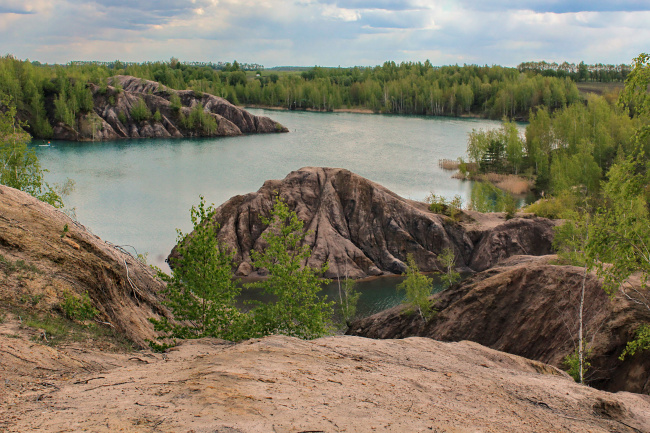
298 310
19 166
200 291
448 261
418 288
348 299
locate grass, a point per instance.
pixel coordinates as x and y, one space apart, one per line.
508 182
10 267
56 330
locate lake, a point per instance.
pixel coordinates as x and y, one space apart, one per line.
135 193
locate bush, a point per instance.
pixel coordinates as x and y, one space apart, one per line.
140 112
418 288
121 117
640 342
572 362
440 205
78 307
558 207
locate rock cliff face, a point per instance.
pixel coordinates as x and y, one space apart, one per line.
111 118
528 307
45 255
362 229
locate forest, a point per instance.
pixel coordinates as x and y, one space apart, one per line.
46 94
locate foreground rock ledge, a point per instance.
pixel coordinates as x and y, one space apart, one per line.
332 384
528 307
362 229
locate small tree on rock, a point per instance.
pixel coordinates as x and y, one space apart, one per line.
298 310
200 291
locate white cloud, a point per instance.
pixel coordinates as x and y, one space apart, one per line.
325 32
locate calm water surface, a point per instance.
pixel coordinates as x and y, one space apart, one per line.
137 192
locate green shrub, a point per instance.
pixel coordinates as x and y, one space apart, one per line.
441 205
558 207
572 362
140 112
418 288
121 117
175 102
79 308
640 342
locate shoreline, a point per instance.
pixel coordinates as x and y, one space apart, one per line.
361 111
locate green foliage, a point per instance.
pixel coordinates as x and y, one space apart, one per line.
497 150
418 288
443 206
77 307
200 291
157 117
559 206
298 310
348 299
405 88
485 197
635 96
175 102
572 363
121 117
199 119
448 260
621 234
140 111
19 166
571 239
640 342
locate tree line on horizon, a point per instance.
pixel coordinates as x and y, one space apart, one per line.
47 94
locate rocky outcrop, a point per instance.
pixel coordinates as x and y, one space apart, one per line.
362 229
282 384
46 256
112 119
528 307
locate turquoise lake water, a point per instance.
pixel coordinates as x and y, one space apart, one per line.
135 193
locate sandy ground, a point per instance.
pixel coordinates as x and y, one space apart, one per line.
282 384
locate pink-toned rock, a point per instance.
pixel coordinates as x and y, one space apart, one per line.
362 229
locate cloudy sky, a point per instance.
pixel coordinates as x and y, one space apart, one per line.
326 32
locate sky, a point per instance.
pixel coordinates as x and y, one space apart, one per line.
326 32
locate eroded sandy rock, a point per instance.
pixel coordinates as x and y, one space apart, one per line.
111 117
528 307
362 229
59 256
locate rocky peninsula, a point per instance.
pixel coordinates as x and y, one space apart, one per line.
112 117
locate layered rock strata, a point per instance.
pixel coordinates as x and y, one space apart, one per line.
112 119
362 229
